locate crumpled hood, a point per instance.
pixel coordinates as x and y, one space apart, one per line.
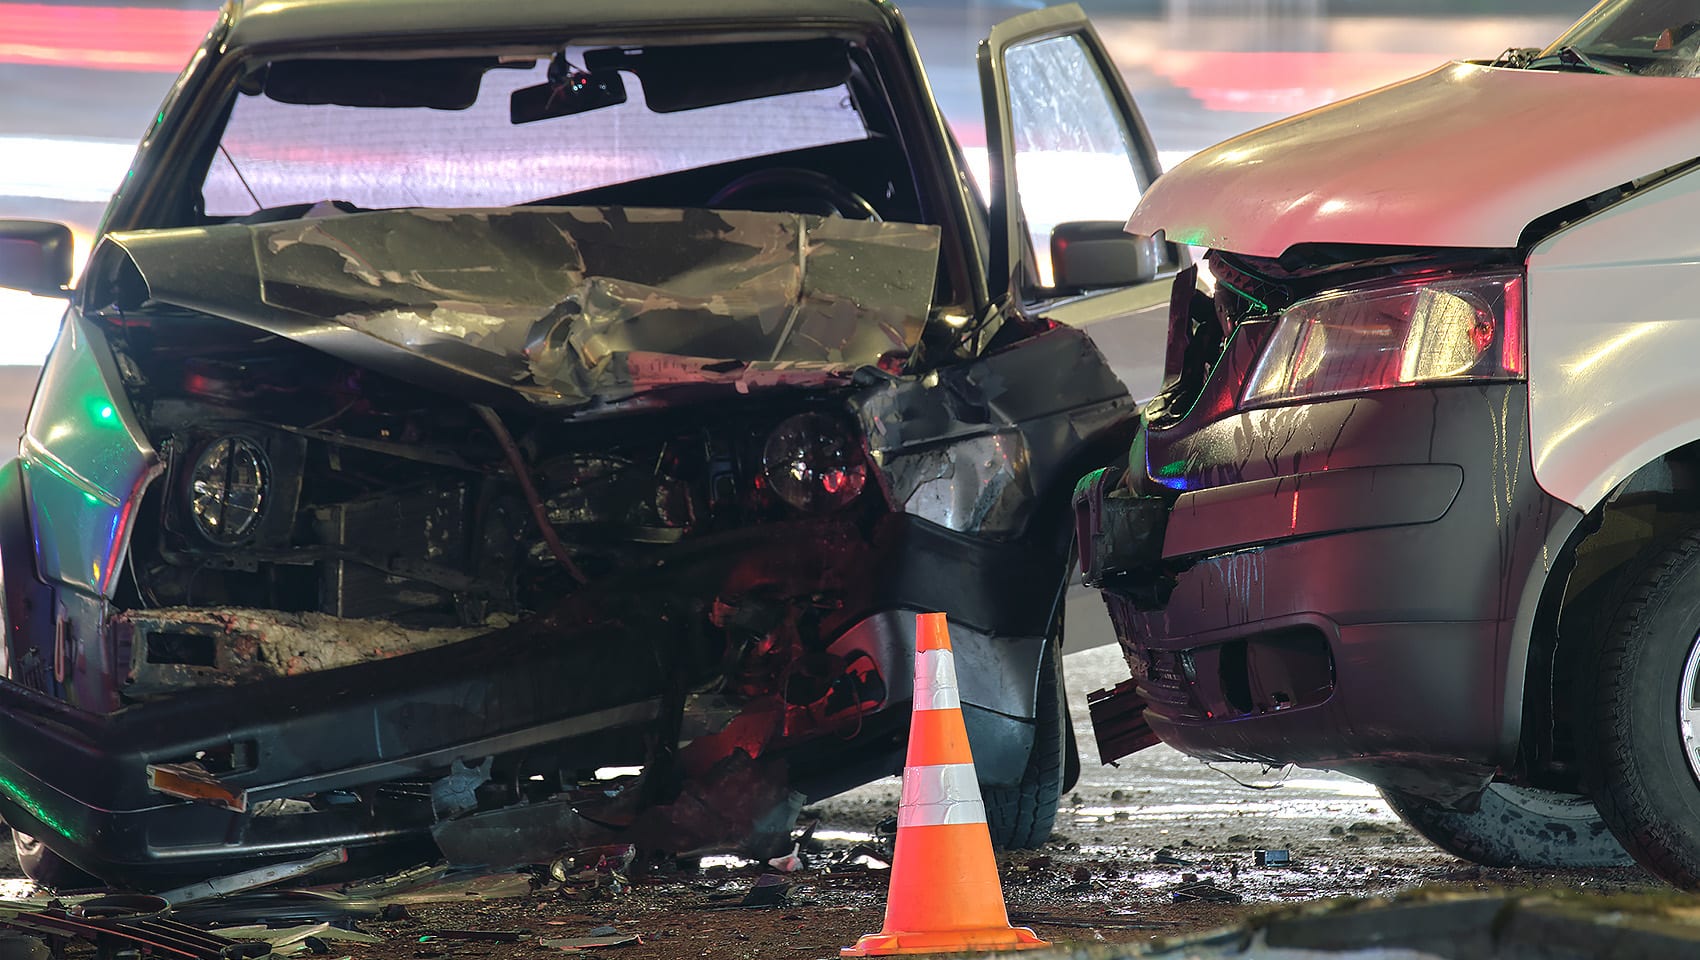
1463 156
563 305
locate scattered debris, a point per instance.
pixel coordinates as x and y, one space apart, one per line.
1274 858
278 908
575 944
1203 891
501 885
412 878
254 879
769 890
122 923
790 862
308 937
1167 856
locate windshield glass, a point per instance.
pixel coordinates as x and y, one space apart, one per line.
1654 38
290 147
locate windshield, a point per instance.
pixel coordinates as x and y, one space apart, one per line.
1653 38
285 145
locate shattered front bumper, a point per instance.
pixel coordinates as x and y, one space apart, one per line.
560 691
1343 584
81 779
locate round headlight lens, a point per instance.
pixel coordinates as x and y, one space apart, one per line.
227 488
813 463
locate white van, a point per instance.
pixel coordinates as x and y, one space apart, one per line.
1420 500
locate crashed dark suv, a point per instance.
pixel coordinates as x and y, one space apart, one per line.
462 400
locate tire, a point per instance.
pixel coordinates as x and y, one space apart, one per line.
1021 816
1515 827
48 868
1642 770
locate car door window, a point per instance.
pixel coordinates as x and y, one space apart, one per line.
1074 158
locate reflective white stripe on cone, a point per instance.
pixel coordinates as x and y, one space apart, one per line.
935 681
944 794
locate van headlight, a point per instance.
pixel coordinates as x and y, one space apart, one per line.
1385 335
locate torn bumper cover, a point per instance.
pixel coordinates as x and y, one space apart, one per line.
1328 587
566 305
219 777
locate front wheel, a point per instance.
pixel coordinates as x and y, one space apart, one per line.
47 868
1643 759
1515 827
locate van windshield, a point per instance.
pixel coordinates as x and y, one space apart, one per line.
1652 38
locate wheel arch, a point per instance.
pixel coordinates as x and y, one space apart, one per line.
1600 554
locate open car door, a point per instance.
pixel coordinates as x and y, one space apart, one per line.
1069 157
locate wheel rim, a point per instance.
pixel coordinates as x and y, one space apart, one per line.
1688 709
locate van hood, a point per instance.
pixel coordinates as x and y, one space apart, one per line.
1462 156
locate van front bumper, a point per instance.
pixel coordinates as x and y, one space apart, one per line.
1343 584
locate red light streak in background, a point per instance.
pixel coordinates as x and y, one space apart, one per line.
129 38
101 38
1281 82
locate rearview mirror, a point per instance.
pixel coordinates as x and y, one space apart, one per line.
35 256
568 91
1093 254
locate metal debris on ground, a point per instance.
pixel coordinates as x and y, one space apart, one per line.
279 908
412 878
1203 891
120 923
575 944
256 878
1167 857
306 937
480 885
1274 858
769 890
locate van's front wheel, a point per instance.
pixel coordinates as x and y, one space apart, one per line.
1515 827
1643 760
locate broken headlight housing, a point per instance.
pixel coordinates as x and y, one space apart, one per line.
812 462
1425 331
227 489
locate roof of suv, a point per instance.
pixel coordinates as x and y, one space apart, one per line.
264 23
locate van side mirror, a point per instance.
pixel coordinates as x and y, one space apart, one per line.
35 256
1091 254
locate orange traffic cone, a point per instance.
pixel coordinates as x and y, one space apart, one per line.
945 896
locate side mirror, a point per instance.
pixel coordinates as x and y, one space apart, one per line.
35 256
1091 254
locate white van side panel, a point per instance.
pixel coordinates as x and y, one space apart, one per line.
1614 342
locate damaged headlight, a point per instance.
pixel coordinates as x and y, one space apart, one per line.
1393 335
227 489
813 463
